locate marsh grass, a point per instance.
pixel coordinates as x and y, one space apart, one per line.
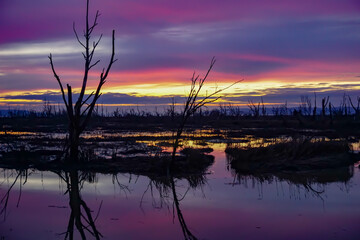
297 154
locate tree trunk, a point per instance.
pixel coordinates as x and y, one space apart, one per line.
76 110
74 142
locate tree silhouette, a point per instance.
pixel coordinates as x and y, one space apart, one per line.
77 113
193 103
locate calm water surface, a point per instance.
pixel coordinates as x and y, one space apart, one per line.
223 206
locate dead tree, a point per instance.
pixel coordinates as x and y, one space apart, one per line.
193 103
324 103
254 108
171 111
344 108
314 110
305 105
263 108
331 113
79 112
357 107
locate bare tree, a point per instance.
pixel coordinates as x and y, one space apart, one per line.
79 113
331 113
315 107
263 108
324 103
344 107
254 108
193 103
305 105
356 106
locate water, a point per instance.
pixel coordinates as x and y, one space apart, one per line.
225 206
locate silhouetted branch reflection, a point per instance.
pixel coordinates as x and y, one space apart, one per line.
187 233
82 220
167 189
81 215
22 176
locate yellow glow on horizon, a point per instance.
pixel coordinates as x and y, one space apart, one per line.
170 89
5 100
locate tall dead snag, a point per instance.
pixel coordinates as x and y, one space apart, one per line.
356 106
79 112
324 103
193 103
314 111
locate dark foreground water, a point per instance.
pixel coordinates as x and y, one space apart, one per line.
221 206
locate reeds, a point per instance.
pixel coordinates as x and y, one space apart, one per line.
298 154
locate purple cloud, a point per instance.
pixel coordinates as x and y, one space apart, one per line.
252 39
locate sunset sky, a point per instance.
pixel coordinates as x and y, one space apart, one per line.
281 48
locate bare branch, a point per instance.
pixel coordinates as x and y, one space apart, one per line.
89 105
58 80
94 64
77 37
91 94
94 47
192 104
352 105
95 22
111 59
217 92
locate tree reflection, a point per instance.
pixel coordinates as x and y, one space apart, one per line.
80 218
81 215
187 234
167 189
312 182
21 176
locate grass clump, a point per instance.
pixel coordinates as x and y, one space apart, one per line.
297 154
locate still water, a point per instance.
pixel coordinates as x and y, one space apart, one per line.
219 205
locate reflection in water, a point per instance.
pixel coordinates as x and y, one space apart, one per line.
5 199
227 212
81 215
166 187
312 181
187 234
83 220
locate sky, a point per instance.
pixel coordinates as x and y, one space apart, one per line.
281 49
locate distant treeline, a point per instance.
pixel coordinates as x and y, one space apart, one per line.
308 106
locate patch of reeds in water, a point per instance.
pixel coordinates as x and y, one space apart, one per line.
295 155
